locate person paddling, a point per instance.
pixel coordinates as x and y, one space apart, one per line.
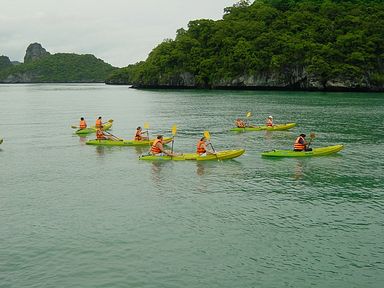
139 134
269 121
82 124
240 123
99 122
101 135
202 148
157 148
301 144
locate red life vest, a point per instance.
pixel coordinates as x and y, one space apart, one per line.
100 135
201 147
154 148
138 135
83 124
99 123
298 146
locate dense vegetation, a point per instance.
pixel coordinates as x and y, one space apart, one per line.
60 67
322 41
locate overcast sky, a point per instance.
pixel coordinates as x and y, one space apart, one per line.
120 32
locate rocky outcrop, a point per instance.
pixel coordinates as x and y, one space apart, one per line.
294 79
35 51
5 62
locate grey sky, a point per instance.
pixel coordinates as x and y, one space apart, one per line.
117 31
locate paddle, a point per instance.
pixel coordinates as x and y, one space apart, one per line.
174 129
208 137
312 136
117 138
146 126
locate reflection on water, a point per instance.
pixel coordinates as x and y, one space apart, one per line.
141 150
200 168
82 139
100 150
299 169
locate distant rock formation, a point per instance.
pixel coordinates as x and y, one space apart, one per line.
35 51
5 62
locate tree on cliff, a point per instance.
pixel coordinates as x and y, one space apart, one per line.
285 43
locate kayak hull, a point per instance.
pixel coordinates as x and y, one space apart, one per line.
223 155
125 142
92 129
278 127
315 152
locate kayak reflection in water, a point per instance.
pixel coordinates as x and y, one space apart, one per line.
202 148
157 148
301 144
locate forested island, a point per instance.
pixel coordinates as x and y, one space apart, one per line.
272 44
40 66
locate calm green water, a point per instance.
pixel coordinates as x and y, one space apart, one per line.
74 215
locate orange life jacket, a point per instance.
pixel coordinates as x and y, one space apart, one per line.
100 135
99 123
270 122
154 148
138 135
240 124
201 147
298 146
83 124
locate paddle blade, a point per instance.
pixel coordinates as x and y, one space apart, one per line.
146 125
312 135
110 120
174 129
249 114
74 127
207 135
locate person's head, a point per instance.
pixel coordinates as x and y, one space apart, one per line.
138 128
159 136
203 138
82 118
303 135
238 119
270 117
99 117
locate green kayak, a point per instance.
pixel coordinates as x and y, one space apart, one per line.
278 127
124 142
92 129
315 152
223 155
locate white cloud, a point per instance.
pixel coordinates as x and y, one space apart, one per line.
117 31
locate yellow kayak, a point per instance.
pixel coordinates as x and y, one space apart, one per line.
222 155
92 129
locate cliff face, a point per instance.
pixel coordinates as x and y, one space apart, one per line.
34 52
5 62
296 79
